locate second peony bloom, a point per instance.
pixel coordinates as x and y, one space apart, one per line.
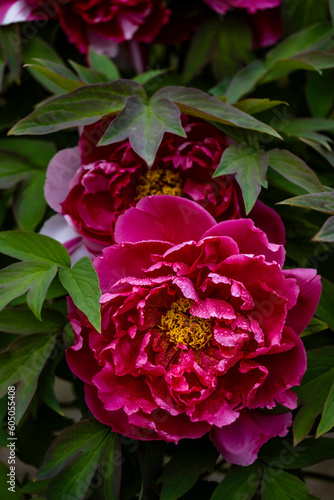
200 330
91 186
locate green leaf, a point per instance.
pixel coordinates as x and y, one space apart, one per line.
103 64
38 152
201 48
184 468
295 170
277 485
46 382
59 80
10 41
240 482
88 75
326 233
34 247
325 307
245 81
13 168
322 202
314 326
331 8
21 364
253 106
5 493
232 48
83 106
327 419
31 277
30 205
82 284
250 167
22 321
151 78
319 93
197 103
308 39
313 392
144 125
298 14
74 457
283 455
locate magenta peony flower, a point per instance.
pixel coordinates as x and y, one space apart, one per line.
200 330
93 22
264 18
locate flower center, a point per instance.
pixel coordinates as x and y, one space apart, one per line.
183 328
159 181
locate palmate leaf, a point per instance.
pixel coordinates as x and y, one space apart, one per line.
295 170
44 256
74 457
277 485
82 284
240 482
22 277
197 103
322 202
22 363
144 125
314 390
250 167
25 245
83 106
183 470
282 454
326 233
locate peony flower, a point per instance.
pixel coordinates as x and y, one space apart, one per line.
90 186
264 18
93 22
200 328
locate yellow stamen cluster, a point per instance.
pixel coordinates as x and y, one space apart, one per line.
183 328
159 181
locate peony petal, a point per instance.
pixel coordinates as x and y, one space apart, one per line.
268 220
163 218
127 260
240 441
57 228
310 290
61 171
250 239
15 11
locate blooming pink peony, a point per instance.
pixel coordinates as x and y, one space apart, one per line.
93 22
90 187
264 18
200 330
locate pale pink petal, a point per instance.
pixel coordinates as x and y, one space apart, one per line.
15 11
57 228
61 171
310 290
240 441
163 218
